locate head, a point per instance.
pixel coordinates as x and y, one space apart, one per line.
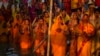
46 14
83 9
64 12
40 21
91 8
26 21
85 18
74 15
97 12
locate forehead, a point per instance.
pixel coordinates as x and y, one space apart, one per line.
85 15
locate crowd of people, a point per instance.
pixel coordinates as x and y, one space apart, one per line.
75 27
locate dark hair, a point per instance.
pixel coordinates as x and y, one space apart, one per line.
80 9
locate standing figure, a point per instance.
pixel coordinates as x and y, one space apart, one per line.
40 33
58 37
92 14
86 31
25 38
15 30
72 26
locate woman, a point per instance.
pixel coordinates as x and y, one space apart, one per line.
58 37
72 26
40 32
25 40
86 31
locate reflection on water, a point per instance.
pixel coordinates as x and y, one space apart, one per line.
7 48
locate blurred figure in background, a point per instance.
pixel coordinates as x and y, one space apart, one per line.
84 41
25 38
91 14
40 33
58 36
72 27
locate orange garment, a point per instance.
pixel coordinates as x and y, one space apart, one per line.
25 44
40 33
73 47
84 42
14 31
58 37
25 39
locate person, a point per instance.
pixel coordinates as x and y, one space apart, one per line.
40 31
72 27
46 17
31 11
65 16
25 38
91 14
14 28
58 37
96 39
86 31
79 13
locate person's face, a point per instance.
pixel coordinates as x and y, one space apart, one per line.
40 21
85 18
46 15
27 22
97 14
44 6
83 9
91 9
74 16
63 13
78 11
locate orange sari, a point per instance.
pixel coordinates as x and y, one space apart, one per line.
58 38
40 33
25 39
84 42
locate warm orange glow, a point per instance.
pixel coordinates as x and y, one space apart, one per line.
24 45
